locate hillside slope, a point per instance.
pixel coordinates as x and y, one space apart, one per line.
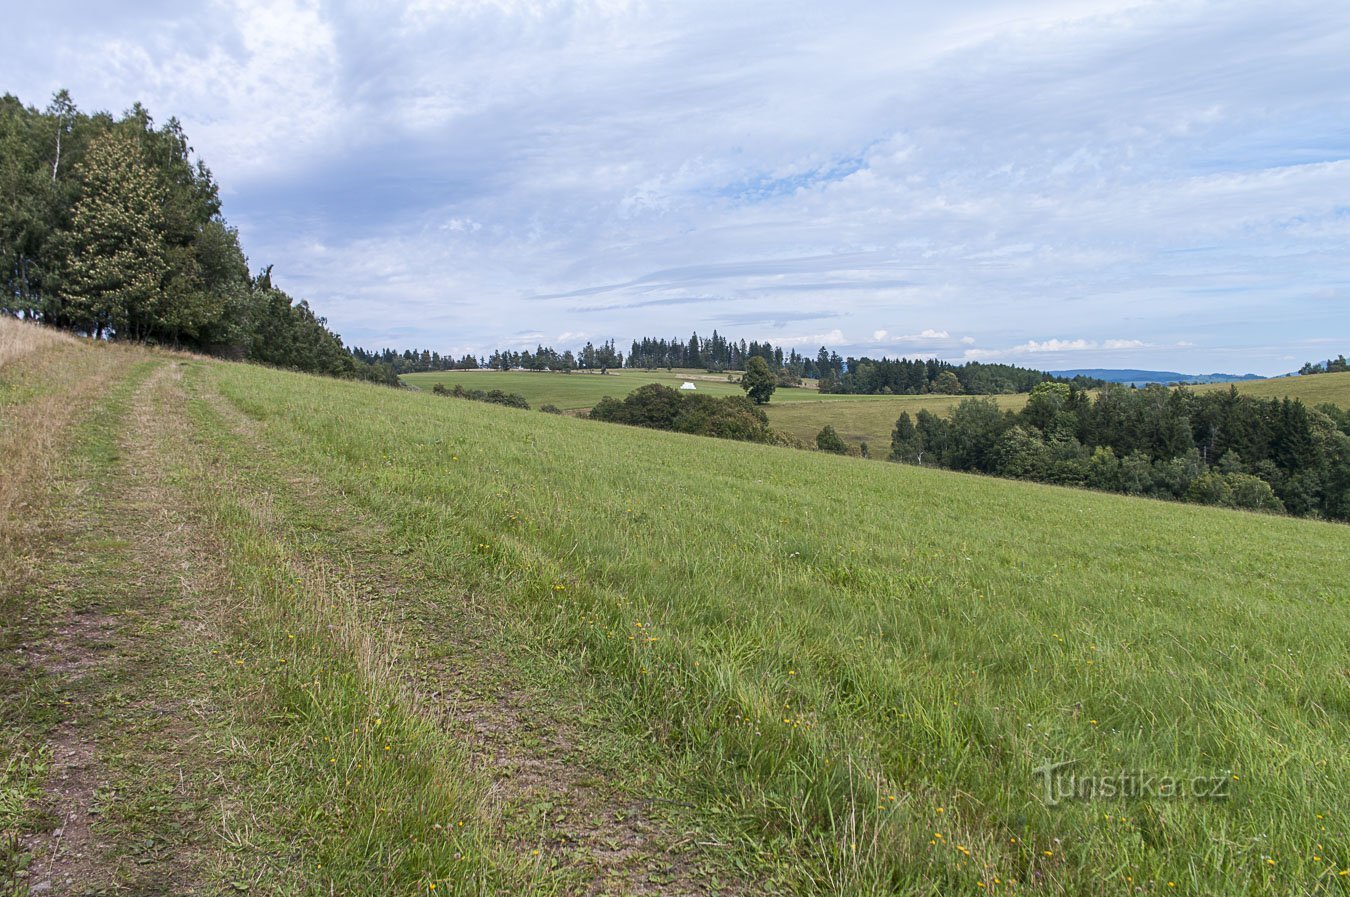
321 637
1313 389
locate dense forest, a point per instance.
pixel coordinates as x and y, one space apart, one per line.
543 358
836 374
110 228
1218 448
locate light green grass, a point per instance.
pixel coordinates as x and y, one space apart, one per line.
864 663
578 390
1313 390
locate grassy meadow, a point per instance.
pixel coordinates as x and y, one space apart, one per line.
1313 389
870 419
580 390
802 673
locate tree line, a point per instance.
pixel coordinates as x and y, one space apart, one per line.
1337 365
110 228
913 376
1219 448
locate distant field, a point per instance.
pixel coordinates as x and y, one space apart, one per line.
868 421
572 392
1313 390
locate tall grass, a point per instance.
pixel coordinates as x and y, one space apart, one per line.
868 663
21 338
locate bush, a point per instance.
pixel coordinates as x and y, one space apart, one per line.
1253 493
550 409
495 397
663 408
827 440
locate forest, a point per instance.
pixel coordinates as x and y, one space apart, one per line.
1218 448
111 229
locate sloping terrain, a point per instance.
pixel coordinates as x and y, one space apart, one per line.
1313 389
270 633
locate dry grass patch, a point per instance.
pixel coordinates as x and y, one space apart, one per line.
20 338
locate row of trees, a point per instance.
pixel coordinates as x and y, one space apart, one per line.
1211 447
546 358
913 376
715 353
1337 365
870 376
413 361
109 228
543 358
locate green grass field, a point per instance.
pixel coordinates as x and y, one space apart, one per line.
1313 390
575 391
870 419
386 641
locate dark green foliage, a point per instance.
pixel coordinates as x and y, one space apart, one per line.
946 383
759 382
550 409
663 408
1218 448
906 444
1330 366
906 376
109 228
827 440
491 396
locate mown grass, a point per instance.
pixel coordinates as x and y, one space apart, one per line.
866 663
869 421
1313 390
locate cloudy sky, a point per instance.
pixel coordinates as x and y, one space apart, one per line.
1058 183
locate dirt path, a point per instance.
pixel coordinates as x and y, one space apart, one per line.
128 593
125 794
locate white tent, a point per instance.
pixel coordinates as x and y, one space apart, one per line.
687 385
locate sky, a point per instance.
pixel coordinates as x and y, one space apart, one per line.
1057 184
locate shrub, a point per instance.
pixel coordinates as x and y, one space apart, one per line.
827 440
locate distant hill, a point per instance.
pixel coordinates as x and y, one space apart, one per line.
1143 378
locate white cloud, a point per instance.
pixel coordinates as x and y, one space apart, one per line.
1006 168
1054 346
832 338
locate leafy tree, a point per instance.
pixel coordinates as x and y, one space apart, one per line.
976 426
116 261
1252 493
759 381
827 440
947 383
